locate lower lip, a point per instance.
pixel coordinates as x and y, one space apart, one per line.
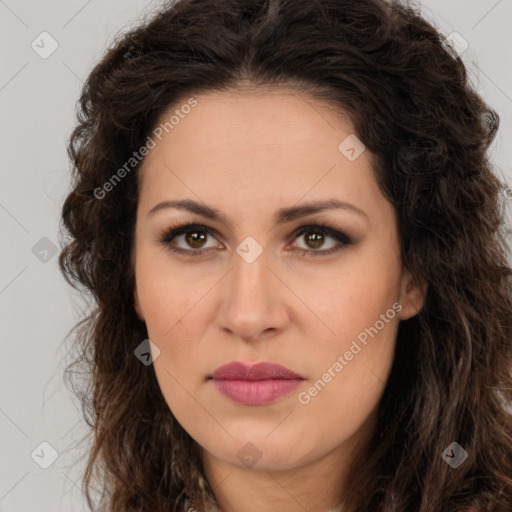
255 392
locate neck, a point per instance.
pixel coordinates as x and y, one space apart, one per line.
188 508
283 481
316 486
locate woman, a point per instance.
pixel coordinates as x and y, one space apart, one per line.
288 221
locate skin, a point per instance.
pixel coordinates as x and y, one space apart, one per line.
249 154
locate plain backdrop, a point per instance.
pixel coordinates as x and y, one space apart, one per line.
47 50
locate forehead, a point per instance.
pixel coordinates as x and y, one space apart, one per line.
238 120
273 145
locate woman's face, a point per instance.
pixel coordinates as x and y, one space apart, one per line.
249 286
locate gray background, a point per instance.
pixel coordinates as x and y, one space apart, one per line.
37 101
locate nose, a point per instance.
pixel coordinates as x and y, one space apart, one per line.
252 304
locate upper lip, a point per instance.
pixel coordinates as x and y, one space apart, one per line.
259 371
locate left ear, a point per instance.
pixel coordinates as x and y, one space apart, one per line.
412 295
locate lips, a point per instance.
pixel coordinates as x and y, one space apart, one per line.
255 384
259 371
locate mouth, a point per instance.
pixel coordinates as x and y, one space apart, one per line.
256 384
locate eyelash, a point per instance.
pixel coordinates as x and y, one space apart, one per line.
174 231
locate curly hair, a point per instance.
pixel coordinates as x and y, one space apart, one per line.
410 101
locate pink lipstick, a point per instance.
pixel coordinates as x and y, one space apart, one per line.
255 384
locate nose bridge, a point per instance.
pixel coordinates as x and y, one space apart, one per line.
250 280
251 301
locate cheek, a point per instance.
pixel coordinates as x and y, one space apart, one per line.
174 303
349 371
354 344
174 325
169 304
166 293
345 302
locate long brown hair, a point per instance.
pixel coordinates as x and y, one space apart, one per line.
407 94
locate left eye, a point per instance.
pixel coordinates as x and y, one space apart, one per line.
195 236
316 236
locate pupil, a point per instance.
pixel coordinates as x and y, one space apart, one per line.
195 238
316 239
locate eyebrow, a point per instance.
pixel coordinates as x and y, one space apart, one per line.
282 215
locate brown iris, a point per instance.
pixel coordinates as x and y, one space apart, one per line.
195 238
316 238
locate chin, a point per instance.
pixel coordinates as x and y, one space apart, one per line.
259 451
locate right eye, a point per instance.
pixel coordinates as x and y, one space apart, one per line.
194 235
